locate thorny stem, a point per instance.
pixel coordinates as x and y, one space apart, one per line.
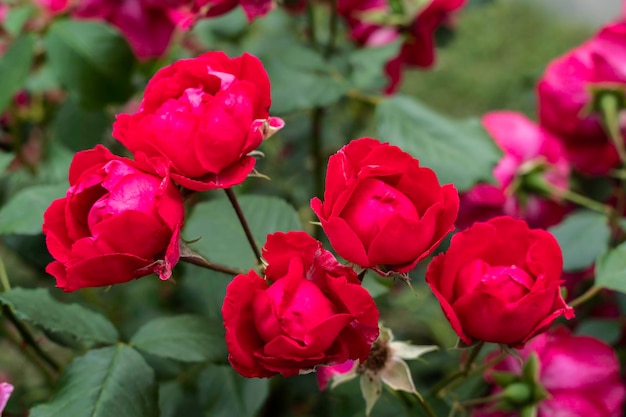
463 373
318 158
4 278
232 197
586 296
203 263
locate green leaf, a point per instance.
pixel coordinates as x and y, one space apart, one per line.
302 79
225 393
23 213
92 60
611 269
113 381
368 66
204 290
79 128
607 330
14 68
183 338
460 152
17 17
582 236
222 239
38 307
5 159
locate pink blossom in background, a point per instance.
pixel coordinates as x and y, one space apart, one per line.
522 142
5 392
252 8
54 7
580 374
564 94
148 25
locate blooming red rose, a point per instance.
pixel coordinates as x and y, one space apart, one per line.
382 208
579 373
116 223
500 282
201 117
308 311
564 97
525 146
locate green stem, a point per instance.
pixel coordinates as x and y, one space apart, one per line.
537 184
482 400
586 296
310 14
4 278
232 197
427 408
610 106
333 26
203 263
462 373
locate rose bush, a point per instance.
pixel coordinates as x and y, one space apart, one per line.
308 311
564 97
527 147
499 282
116 223
381 208
200 118
579 373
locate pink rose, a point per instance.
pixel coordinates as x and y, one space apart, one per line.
308 310
564 95
116 223
580 374
499 282
201 117
523 143
381 208
6 390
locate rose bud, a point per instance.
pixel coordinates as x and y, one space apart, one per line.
499 282
528 150
202 117
116 223
564 94
580 374
381 208
308 311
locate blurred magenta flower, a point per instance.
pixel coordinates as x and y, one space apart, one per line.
5 392
527 147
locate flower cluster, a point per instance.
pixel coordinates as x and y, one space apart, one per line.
121 219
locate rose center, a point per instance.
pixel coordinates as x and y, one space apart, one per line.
510 282
372 205
379 355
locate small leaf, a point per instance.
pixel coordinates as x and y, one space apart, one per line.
222 239
113 381
611 269
23 213
92 60
184 338
460 152
582 236
226 394
38 307
14 68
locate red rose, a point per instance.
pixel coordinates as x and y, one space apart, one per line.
115 224
524 144
308 311
500 282
564 94
381 208
202 117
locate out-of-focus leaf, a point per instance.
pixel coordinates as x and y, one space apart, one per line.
368 66
92 60
225 393
184 338
79 128
17 17
113 381
38 307
222 239
302 79
611 269
607 330
460 152
582 236
14 68
23 213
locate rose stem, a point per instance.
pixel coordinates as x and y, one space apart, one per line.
27 337
586 296
232 197
203 263
464 372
